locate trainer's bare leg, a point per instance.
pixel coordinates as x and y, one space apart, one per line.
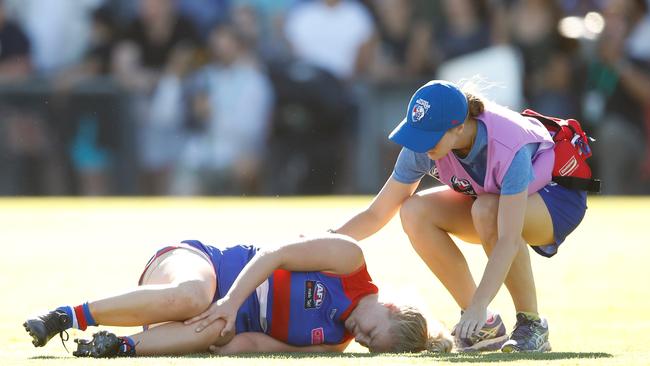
428 218
538 230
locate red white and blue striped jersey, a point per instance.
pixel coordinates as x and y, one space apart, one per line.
298 308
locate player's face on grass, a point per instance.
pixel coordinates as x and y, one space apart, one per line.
371 329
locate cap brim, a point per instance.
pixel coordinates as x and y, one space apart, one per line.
415 139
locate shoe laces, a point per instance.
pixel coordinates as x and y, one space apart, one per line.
524 328
67 337
53 324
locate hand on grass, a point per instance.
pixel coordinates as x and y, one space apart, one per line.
222 309
472 320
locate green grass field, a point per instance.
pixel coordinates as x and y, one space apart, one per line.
595 292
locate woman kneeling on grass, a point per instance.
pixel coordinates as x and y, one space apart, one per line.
497 167
314 295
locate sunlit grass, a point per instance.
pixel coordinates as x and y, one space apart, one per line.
64 251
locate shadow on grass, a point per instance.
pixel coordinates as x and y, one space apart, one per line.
505 357
448 357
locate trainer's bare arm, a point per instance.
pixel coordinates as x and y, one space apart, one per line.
380 211
260 342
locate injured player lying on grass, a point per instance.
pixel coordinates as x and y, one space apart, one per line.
310 295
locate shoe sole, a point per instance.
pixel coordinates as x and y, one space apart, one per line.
486 345
36 340
546 347
102 345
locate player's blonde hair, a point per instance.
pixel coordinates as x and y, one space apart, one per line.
412 333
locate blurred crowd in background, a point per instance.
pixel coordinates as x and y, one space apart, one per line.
277 97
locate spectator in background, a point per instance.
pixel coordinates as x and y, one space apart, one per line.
232 106
15 61
156 33
89 121
58 30
204 14
558 89
578 7
549 82
466 28
247 21
30 164
269 24
103 35
335 35
404 40
622 77
156 53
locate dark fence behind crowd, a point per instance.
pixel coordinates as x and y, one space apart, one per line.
84 141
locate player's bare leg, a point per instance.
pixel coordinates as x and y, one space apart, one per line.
173 338
177 285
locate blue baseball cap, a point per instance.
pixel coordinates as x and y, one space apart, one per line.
434 108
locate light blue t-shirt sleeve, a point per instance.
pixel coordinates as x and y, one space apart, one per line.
411 166
520 173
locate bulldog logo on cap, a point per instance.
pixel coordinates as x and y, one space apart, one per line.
419 109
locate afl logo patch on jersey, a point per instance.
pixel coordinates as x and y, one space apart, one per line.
314 294
462 186
419 109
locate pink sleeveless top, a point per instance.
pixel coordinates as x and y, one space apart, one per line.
507 132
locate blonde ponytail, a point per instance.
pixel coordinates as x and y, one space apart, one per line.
473 88
411 332
475 105
440 343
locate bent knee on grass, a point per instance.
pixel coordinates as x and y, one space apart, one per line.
188 281
189 298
